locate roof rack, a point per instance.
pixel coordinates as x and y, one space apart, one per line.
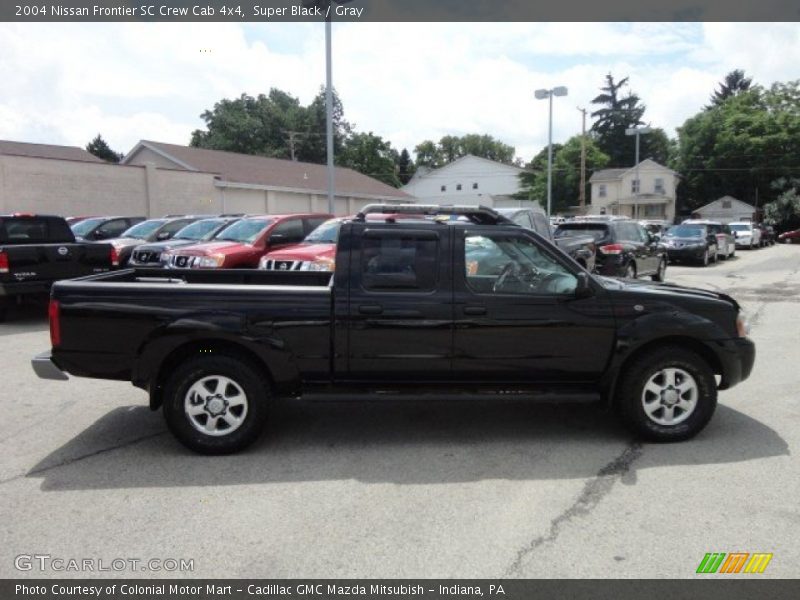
480 215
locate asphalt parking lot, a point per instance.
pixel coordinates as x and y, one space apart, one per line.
413 490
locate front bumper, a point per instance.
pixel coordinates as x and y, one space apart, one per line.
744 241
45 368
686 253
737 355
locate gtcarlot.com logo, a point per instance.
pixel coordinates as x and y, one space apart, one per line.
47 562
734 562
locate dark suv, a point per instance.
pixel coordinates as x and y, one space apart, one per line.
624 247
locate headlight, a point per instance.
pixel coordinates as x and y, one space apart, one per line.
742 324
209 262
319 264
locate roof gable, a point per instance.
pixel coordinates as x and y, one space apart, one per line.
478 161
255 170
739 204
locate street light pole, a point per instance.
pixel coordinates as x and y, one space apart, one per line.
541 95
637 131
329 109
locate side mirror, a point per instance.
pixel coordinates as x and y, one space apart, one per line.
583 289
100 235
164 235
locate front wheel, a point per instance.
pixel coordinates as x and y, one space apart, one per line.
630 271
216 404
661 272
667 395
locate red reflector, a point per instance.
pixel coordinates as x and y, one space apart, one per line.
611 249
54 312
114 257
3 262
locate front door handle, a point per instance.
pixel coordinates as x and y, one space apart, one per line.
370 309
475 310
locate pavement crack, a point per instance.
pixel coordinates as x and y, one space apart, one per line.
593 492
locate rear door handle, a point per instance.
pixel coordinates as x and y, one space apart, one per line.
370 309
475 310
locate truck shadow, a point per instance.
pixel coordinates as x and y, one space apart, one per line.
402 443
25 318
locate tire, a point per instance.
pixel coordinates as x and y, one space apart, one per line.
630 271
241 406
669 369
704 261
661 272
715 256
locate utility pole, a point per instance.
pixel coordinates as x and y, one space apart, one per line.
329 108
582 193
293 137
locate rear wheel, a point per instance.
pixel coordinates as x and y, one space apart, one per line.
667 395
705 260
216 404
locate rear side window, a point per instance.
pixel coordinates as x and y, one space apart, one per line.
34 231
400 262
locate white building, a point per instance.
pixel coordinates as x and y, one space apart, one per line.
725 210
469 180
620 192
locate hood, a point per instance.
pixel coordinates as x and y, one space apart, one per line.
167 245
683 240
303 252
665 291
124 242
209 248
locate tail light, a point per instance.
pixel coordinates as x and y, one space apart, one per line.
54 312
611 249
114 257
3 262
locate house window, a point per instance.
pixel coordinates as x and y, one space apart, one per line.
654 210
458 187
726 204
474 186
634 186
601 190
444 188
659 186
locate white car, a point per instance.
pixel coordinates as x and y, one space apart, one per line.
747 236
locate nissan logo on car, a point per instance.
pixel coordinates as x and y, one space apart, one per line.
62 250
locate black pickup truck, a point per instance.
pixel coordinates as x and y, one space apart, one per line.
424 305
36 250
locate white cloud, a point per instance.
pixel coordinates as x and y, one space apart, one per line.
62 83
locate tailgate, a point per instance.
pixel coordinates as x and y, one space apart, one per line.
51 262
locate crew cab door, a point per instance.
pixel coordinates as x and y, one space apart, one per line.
400 309
517 316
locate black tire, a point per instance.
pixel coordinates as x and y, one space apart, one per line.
705 260
661 272
631 392
243 374
630 271
715 256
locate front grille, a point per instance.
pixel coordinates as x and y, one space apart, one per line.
145 257
283 265
181 261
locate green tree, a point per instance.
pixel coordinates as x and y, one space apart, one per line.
449 148
566 173
369 154
740 147
101 149
618 112
734 84
405 167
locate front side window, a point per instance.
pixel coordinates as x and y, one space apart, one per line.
289 232
245 231
400 262
504 263
142 230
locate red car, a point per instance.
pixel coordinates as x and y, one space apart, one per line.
242 244
317 252
790 237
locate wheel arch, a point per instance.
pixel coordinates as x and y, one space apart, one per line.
200 347
689 343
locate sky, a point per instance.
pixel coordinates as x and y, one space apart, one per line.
407 82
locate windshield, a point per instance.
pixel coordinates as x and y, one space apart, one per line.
685 231
144 229
739 227
245 231
200 230
327 233
598 232
83 227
